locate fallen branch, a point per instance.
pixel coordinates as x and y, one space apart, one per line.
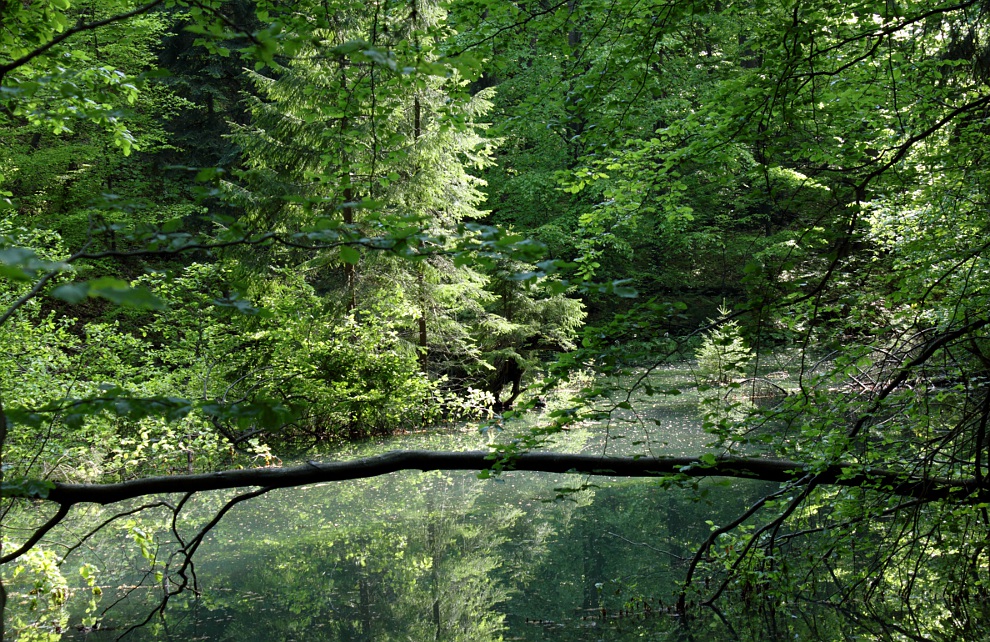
771 470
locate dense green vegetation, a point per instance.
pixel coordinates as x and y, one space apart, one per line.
232 231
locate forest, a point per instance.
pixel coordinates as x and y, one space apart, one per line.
241 237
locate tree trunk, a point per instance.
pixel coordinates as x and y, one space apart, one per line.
350 270
420 276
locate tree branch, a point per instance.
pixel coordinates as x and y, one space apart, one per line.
105 523
79 28
772 470
63 510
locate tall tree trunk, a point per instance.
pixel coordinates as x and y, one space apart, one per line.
424 356
433 546
3 589
364 607
574 34
350 270
420 276
593 566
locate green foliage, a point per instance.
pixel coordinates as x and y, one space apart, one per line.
26 488
723 354
40 615
818 166
114 290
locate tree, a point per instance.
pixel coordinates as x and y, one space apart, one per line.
822 160
234 392
835 128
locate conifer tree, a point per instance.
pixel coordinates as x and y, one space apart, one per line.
365 135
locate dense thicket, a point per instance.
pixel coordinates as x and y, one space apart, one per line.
231 230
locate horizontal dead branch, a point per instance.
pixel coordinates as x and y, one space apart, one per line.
772 470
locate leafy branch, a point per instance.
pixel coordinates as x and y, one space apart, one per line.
81 27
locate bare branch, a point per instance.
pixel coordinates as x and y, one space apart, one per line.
188 550
773 470
699 554
107 522
27 296
63 510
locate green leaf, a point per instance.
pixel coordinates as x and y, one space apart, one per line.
72 292
140 297
111 289
241 305
25 487
349 47
23 264
208 174
380 58
349 255
25 417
